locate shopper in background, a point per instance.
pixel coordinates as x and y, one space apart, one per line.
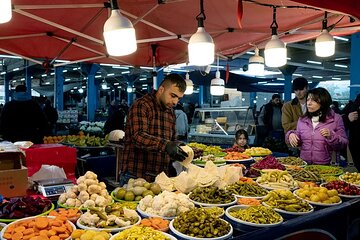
241 140
115 120
51 115
320 131
295 108
352 124
150 136
22 119
270 117
181 123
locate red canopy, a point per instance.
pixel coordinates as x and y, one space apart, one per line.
72 30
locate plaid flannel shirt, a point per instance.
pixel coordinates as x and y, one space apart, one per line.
149 127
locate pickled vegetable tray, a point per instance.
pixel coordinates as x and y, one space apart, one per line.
325 170
9 220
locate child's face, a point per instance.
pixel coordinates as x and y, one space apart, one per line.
241 141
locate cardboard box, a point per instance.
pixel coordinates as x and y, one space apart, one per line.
11 160
14 182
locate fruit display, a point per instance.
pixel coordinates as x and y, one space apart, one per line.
109 218
304 175
257 151
53 139
285 200
199 223
85 140
247 189
318 195
88 192
212 195
135 190
268 162
352 178
140 232
323 170
256 214
293 161
166 204
343 188
23 207
276 179
80 234
39 228
236 156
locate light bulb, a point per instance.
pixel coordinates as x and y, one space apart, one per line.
217 85
5 11
275 52
325 44
256 64
201 48
189 85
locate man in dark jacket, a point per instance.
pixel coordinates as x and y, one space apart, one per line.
352 124
270 115
22 119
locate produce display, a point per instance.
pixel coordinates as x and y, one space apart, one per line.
23 207
135 190
352 178
156 223
124 204
207 150
236 156
72 214
234 149
53 139
199 223
95 128
294 161
166 204
248 201
215 211
285 200
207 158
343 188
318 195
109 218
268 162
80 234
39 228
304 175
325 170
212 195
140 233
85 140
257 151
246 189
276 179
257 214
88 192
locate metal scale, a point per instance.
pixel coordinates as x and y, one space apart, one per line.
53 187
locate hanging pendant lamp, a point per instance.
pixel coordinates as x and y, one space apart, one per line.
201 47
275 50
189 85
5 11
256 64
325 43
217 85
119 33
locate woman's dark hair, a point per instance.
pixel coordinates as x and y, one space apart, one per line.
321 96
241 132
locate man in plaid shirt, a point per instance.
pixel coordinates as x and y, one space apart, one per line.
150 135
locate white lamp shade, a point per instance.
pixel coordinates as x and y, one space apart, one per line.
201 48
256 64
189 85
129 89
275 52
119 35
324 44
217 85
5 11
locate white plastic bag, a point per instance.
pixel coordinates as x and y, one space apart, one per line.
48 172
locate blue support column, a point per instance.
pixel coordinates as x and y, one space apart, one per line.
7 87
92 93
27 78
201 95
355 63
252 98
158 79
287 87
59 88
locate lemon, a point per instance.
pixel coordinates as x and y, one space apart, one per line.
129 196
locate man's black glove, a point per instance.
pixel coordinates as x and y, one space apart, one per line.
175 151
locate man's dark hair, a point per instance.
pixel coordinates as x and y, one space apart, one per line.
321 96
276 95
176 79
20 88
299 83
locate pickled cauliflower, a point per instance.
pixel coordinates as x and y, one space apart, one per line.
166 204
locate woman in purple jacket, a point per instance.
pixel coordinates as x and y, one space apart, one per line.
320 131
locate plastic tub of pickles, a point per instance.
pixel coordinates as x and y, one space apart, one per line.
140 232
